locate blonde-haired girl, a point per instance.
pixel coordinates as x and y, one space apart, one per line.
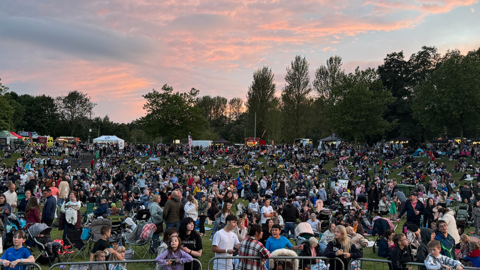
341 247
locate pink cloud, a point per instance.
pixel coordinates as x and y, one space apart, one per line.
193 43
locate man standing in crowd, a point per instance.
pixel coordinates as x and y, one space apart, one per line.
172 211
224 242
48 213
267 211
63 191
414 209
11 197
290 215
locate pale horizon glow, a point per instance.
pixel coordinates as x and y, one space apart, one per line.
117 51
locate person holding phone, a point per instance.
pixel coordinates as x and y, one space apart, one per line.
174 257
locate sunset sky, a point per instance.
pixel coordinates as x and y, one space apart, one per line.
116 51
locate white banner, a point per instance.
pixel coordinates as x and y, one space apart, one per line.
121 144
341 183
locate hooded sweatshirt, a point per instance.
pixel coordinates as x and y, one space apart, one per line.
422 251
171 211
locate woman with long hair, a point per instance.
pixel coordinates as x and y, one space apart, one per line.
191 240
220 218
267 230
32 212
428 213
341 247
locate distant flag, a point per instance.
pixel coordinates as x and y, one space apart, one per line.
264 132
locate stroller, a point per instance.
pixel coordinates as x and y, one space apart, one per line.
303 232
142 216
462 216
49 250
324 217
117 232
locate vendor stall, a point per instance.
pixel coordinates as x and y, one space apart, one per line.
110 139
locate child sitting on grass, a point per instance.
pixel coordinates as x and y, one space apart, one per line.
436 261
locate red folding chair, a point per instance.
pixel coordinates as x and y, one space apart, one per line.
65 251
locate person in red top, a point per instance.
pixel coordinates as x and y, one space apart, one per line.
32 211
92 162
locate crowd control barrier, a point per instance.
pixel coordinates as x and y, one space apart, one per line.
129 264
234 260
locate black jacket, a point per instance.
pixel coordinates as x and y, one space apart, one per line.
398 257
306 252
422 251
290 213
383 249
333 248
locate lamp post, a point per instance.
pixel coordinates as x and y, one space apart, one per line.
89 131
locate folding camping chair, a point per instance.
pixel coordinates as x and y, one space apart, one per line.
73 238
66 251
90 207
142 245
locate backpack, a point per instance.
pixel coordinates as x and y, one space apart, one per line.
85 234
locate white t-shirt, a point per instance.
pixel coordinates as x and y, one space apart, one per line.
266 210
224 240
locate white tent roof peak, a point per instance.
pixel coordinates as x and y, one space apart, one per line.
107 138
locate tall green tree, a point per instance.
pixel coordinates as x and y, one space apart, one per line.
214 109
400 76
328 75
172 114
450 96
73 108
296 99
6 110
235 108
260 96
357 104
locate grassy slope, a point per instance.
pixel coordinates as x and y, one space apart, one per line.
207 252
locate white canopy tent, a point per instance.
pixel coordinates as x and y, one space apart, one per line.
110 139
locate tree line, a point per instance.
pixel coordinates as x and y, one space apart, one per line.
421 97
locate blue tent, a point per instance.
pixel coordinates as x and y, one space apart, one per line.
418 153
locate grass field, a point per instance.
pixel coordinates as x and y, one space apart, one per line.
207 252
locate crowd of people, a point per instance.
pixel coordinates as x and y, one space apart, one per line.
256 199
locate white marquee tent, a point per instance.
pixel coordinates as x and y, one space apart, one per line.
110 139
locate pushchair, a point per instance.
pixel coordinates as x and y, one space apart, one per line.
462 215
324 217
117 232
303 232
49 250
142 216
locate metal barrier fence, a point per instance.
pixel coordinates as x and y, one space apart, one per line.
230 261
364 263
422 264
148 264
30 265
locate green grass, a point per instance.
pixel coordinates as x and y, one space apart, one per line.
207 252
